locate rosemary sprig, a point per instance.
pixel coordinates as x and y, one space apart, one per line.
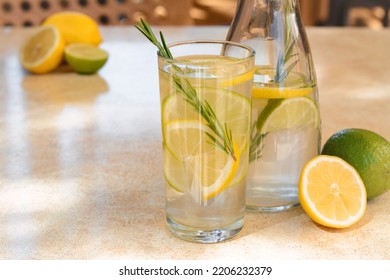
288 53
256 146
282 70
283 59
222 136
147 31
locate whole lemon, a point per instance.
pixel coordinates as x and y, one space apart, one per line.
75 27
368 152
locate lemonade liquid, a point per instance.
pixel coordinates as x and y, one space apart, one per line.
278 157
191 162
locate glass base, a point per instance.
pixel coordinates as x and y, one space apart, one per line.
256 208
275 197
205 236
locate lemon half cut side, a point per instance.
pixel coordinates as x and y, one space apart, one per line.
332 192
43 51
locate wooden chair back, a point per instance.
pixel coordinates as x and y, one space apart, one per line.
105 12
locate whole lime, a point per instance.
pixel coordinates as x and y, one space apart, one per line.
367 152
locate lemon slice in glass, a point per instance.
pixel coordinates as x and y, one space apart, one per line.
43 51
275 92
193 164
230 108
237 80
332 192
295 84
288 113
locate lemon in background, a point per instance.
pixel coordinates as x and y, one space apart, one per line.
71 35
43 51
75 27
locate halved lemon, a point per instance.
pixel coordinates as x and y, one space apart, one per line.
43 51
193 164
288 113
332 192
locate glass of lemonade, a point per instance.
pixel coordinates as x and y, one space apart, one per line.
205 93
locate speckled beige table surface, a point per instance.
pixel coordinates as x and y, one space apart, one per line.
80 156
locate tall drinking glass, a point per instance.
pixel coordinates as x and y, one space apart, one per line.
205 93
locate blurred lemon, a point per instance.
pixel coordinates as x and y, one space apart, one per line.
75 27
43 51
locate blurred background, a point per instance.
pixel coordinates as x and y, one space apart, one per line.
363 13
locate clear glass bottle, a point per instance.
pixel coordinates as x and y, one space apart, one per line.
286 126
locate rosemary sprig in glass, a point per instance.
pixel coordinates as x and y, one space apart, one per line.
222 136
256 144
282 70
287 53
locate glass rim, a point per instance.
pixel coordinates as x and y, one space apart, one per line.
251 51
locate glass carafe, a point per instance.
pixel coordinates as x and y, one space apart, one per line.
286 124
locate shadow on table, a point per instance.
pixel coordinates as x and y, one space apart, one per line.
294 219
64 87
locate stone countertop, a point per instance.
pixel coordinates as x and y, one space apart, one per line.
81 163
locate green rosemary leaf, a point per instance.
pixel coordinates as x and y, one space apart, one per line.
215 142
288 53
288 69
279 68
256 147
168 52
